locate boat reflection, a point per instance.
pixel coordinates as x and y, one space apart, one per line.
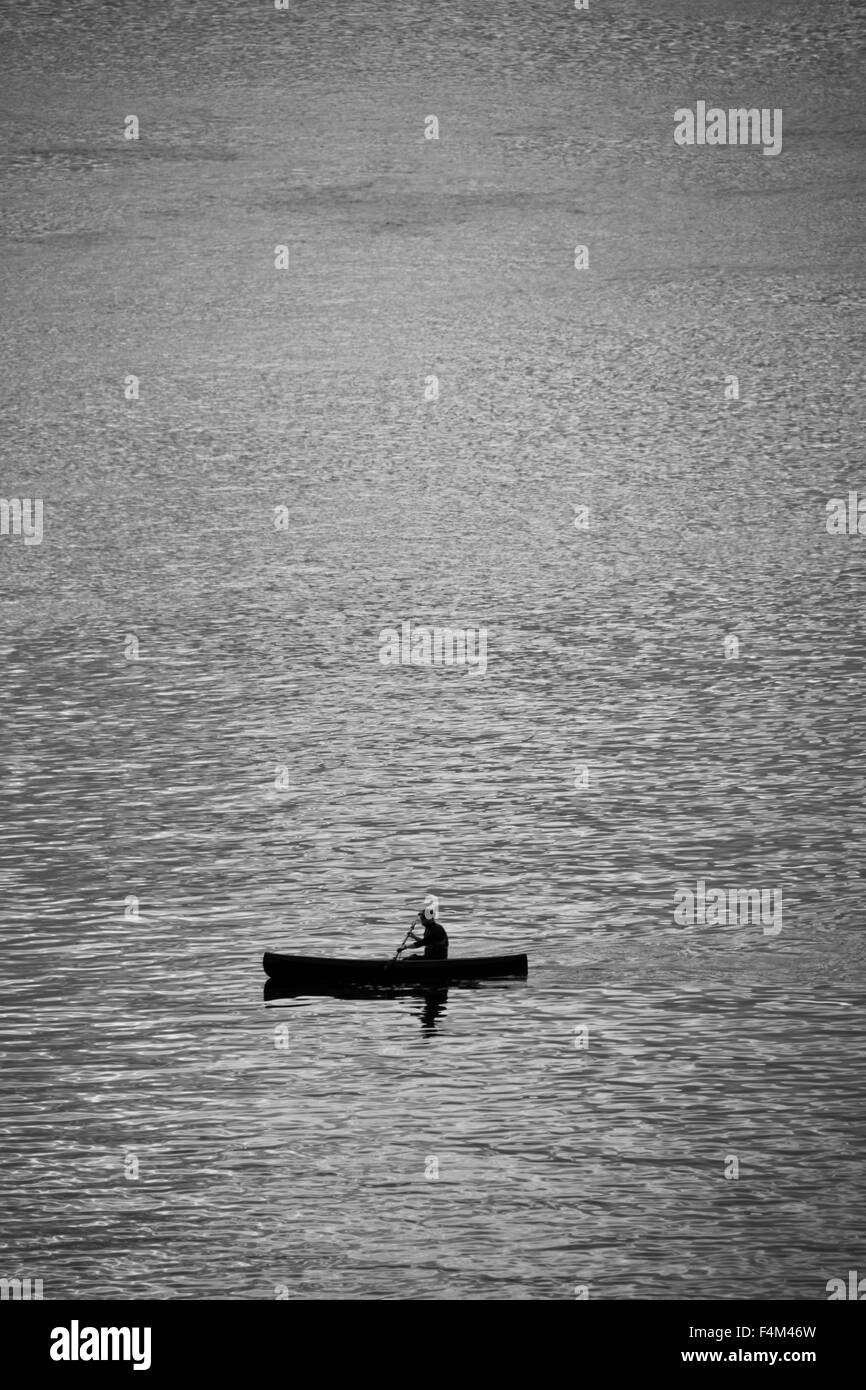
435 1001
433 998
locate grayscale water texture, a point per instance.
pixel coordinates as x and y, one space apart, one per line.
303 1165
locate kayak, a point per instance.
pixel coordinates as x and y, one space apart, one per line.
299 970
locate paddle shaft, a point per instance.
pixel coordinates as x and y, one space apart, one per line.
406 937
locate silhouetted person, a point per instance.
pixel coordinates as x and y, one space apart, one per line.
435 938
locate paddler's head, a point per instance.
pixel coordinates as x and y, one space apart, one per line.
430 910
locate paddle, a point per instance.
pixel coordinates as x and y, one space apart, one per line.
402 945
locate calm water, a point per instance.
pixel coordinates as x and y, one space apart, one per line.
286 1143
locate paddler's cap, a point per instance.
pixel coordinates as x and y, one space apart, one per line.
431 903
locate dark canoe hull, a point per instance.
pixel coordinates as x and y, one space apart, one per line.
300 970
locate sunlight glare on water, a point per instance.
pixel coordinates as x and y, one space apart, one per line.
166 1132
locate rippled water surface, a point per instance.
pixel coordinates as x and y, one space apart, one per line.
290 1143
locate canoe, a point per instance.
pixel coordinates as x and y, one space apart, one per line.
299 970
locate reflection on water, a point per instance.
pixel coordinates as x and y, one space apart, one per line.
433 1007
269 1158
434 1000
